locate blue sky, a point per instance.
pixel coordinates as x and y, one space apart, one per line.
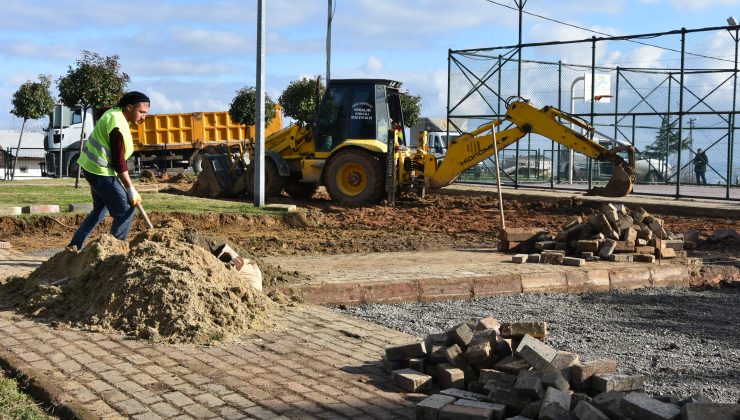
193 55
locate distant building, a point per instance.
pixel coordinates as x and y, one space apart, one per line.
30 158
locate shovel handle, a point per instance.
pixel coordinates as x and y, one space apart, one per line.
143 214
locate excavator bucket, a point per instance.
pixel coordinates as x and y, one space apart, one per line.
220 177
623 175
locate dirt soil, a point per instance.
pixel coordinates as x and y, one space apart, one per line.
163 285
438 221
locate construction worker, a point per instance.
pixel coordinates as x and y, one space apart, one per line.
103 163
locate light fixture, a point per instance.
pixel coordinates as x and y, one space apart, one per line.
731 21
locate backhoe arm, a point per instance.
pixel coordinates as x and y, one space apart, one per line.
472 148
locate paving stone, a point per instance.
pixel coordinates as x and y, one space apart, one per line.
643 258
574 262
621 257
11 211
604 382
534 258
714 411
553 257
521 234
512 364
519 258
411 380
460 412
458 393
41 209
544 245
510 398
5 245
80 207
290 208
406 351
428 408
554 396
563 361
520 329
607 248
586 411
462 334
581 373
449 376
499 410
130 407
639 405
529 386
535 352
487 323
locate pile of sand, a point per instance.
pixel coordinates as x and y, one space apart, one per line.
165 285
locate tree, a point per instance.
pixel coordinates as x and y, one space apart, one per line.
666 142
94 82
31 101
243 108
299 99
411 108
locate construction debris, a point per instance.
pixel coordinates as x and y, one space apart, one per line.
165 285
480 370
614 234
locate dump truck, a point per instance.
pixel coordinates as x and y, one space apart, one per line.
351 149
162 141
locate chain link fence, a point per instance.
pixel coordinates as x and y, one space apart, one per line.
668 94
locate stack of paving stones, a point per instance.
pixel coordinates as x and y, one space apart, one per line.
614 234
486 370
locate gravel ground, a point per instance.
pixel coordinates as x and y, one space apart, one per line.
684 341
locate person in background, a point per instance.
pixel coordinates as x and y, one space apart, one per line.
103 164
700 167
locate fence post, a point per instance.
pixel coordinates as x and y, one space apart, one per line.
680 110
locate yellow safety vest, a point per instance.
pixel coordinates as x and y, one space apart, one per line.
96 155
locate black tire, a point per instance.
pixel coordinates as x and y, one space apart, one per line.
72 166
355 176
300 190
274 183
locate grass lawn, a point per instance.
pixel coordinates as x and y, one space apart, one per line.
63 193
17 405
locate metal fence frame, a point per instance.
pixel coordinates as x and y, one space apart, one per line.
486 88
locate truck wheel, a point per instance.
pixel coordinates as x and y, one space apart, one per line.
72 165
355 176
274 183
300 190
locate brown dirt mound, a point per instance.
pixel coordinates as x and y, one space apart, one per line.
160 287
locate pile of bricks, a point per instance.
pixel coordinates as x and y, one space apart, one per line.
614 234
487 370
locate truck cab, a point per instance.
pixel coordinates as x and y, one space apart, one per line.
62 139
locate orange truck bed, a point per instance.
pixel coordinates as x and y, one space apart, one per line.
195 130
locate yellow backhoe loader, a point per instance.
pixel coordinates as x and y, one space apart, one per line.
352 150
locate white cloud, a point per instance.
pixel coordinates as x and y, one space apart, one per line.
373 65
702 4
162 103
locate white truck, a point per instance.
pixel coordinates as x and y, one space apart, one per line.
62 140
438 135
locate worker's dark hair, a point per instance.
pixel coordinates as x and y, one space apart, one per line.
131 98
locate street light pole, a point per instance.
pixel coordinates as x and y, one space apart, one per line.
329 18
572 126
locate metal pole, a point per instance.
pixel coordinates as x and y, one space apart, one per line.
329 17
593 99
519 4
680 110
498 178
573 111
259 156
731 137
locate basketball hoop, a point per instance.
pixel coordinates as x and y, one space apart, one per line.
599 98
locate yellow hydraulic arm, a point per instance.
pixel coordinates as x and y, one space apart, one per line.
469 149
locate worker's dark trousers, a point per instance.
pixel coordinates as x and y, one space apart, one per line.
701 179
108 196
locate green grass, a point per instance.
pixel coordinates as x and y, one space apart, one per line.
62 192
16 405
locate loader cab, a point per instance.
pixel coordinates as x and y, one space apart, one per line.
357 109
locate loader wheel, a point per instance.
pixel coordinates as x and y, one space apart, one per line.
300 190
355 176
274 183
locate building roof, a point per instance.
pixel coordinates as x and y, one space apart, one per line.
32 145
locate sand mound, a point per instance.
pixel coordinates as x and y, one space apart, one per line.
162 286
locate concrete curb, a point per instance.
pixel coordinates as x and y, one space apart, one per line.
35 384
457 288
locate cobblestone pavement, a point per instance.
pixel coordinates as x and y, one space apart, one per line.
313 364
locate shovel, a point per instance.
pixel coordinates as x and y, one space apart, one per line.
143 214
